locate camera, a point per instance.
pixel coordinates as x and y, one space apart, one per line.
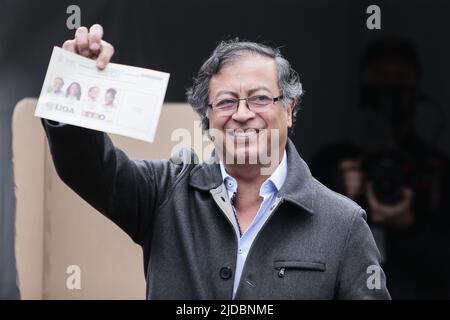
389 171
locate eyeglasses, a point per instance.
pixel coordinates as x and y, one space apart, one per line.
228 106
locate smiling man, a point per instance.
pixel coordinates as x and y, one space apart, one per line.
236 226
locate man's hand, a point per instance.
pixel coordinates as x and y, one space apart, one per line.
352 176
89 43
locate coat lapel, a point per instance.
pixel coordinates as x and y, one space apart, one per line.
297 189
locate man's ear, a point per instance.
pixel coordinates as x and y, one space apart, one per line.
290 111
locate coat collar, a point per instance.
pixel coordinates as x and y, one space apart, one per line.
297 189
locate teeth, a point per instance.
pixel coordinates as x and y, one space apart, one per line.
242 133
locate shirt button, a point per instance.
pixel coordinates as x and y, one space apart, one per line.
225 273
240 251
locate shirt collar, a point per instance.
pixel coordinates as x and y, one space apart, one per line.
272 184
299 189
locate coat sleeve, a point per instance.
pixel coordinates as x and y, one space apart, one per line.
124 190
360 275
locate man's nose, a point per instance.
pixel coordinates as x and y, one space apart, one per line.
243 112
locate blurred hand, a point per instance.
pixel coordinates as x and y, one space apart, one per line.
89 43
400 214
352 177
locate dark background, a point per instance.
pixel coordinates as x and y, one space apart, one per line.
323 39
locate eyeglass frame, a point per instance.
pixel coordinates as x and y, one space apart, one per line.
238 100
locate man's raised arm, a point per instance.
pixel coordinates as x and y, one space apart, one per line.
126 191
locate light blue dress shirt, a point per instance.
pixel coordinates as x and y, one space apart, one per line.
268 192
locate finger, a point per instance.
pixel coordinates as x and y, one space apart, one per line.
95 37
105 54
82 41
408 192
69 45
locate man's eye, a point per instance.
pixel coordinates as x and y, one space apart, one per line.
261 99
225 103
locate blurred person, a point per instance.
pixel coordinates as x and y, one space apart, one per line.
407 177
55 90
93 94
222 229
110 97
73 92
404 179
92 98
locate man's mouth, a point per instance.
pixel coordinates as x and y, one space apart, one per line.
241 133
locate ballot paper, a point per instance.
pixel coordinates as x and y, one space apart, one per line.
121 99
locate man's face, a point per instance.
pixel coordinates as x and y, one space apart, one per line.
248 76
93 93
58 83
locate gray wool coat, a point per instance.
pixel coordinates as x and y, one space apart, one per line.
315 245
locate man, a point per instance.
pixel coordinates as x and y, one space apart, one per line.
55 90
407 175
222 229
93 95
